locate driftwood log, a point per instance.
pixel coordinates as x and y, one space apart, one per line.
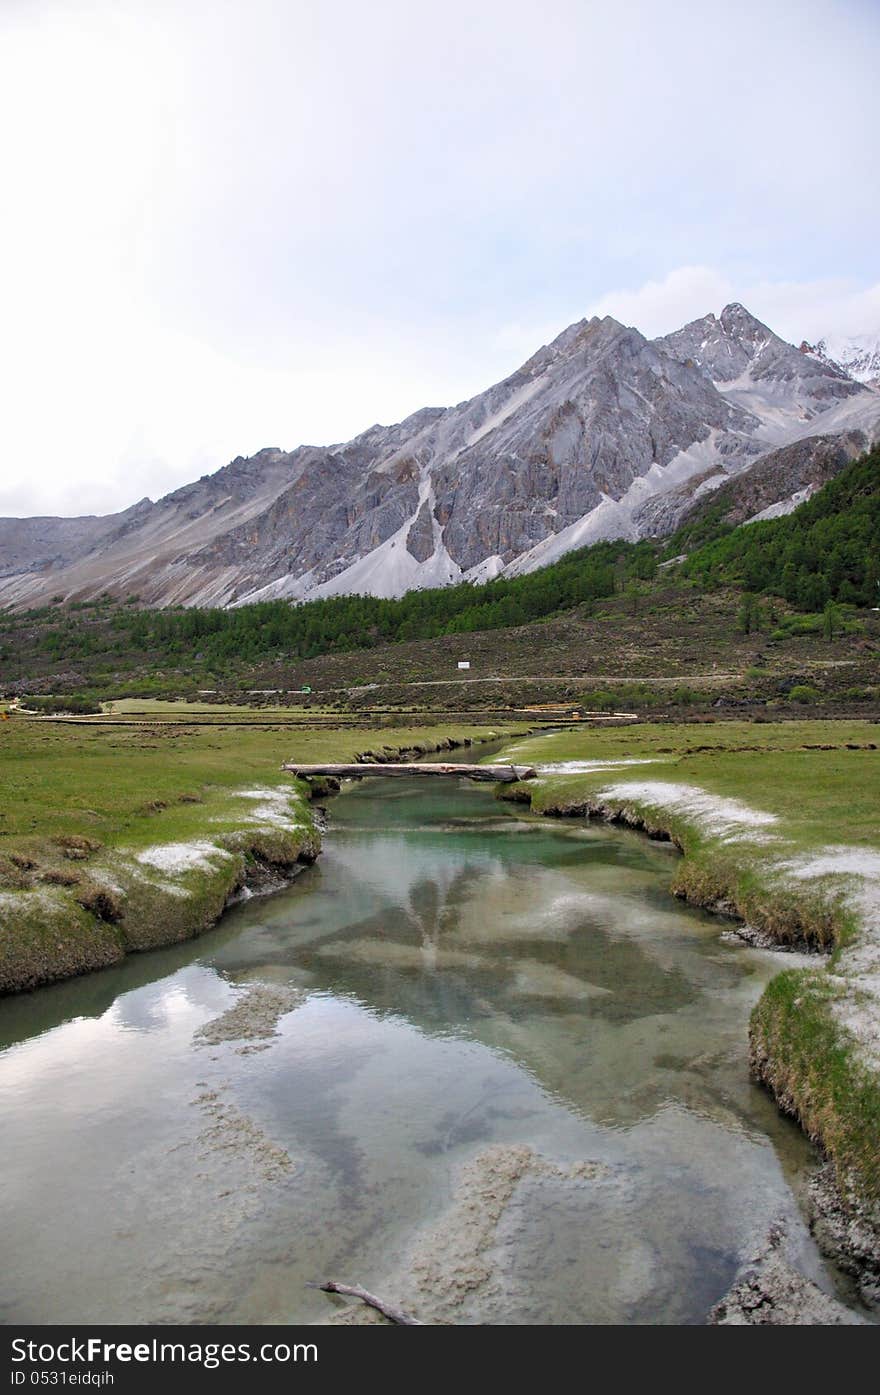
503 773
393 1314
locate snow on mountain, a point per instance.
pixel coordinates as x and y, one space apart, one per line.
859 356
600 434
784 506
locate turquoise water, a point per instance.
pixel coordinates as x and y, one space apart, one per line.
482 1064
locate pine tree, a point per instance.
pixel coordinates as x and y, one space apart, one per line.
831 620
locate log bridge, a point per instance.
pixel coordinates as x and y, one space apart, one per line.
505 774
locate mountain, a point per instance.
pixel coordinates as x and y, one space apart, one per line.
601 434
760 372
771 488
858 356
29 543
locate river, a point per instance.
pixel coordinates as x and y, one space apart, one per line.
481 1063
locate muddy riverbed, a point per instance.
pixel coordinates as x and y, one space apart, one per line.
484 1065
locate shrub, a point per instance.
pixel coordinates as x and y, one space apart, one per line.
683 696
803 692
76 704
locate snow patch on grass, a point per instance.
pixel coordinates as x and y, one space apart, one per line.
182 857
727 819
274 807
859 964
36 895
844 860
583 767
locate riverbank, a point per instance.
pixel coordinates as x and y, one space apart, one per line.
777 824
466 1053
115 840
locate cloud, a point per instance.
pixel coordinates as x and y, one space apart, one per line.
834 308
796 310
112 407
657 307
235 223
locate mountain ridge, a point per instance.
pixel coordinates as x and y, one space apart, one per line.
602 433
858 355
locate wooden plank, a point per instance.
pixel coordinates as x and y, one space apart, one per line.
503 773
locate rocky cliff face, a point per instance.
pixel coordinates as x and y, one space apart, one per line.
602 433
774 485
603 411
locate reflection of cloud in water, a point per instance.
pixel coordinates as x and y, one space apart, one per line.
158 1005
612 1002
391 868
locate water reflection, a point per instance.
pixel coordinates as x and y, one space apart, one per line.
462 1054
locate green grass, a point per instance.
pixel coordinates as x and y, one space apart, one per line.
801 1053
119 784
821 795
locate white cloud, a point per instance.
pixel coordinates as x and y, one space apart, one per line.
811 309
833 308
794 309
107 411
658 307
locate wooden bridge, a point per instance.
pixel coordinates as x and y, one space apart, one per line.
503 773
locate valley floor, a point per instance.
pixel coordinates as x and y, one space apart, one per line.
127 832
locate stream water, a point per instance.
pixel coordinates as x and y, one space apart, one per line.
483 1064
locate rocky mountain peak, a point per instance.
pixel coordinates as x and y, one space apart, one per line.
736 319
600 434
757 369
725 347
588 336
747 332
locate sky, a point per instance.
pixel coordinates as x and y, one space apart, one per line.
230 224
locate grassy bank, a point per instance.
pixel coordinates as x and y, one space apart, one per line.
777 824
115 838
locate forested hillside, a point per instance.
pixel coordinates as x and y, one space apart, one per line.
344 623
827 551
